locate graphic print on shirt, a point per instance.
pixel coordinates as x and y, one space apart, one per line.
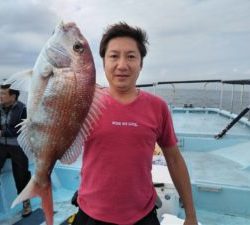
125 123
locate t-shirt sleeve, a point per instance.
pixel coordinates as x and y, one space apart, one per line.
167 136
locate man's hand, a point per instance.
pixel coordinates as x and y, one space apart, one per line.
191 221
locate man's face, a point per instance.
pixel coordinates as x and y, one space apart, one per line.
122 63
5 98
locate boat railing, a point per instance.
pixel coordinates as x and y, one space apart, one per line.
222 87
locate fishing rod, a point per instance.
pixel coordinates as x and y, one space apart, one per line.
230 125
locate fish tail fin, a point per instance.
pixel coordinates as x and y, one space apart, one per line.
47 204
33 189
27 193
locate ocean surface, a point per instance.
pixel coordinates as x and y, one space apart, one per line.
199 97
205 98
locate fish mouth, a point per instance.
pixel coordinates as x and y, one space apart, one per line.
58 57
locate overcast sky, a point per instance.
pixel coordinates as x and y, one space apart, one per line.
189 39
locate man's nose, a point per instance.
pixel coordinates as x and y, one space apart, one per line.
122 63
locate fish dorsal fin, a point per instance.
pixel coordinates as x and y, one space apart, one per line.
93 115
21 80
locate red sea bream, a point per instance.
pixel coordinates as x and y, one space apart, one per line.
61 109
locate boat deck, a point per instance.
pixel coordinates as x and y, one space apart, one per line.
211 218
222 170
209 121
219 168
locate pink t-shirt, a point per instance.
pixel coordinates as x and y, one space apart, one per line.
116 184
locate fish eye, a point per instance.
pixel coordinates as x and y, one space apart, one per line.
78 47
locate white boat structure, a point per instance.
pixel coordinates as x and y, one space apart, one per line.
216 146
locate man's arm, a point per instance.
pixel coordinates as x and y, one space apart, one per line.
179 174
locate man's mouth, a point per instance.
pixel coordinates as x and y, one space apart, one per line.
122 75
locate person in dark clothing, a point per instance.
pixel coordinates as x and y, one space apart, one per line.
12 112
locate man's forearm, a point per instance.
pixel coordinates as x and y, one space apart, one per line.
180 177
179 174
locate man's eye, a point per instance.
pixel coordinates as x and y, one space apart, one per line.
113 56
131 56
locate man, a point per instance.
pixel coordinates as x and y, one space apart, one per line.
12 112
116 185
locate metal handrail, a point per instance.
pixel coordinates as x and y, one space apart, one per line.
242 82
222 82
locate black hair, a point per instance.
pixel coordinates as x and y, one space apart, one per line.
124 30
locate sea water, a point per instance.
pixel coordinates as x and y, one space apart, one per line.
180 97
198 97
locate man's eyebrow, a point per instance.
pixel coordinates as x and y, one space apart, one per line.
112 50
132 51
129 51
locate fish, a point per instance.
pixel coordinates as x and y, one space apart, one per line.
62 107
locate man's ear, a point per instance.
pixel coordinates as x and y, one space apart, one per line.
103 62
13 98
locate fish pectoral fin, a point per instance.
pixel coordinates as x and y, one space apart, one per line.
74 151
95 111
21 80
